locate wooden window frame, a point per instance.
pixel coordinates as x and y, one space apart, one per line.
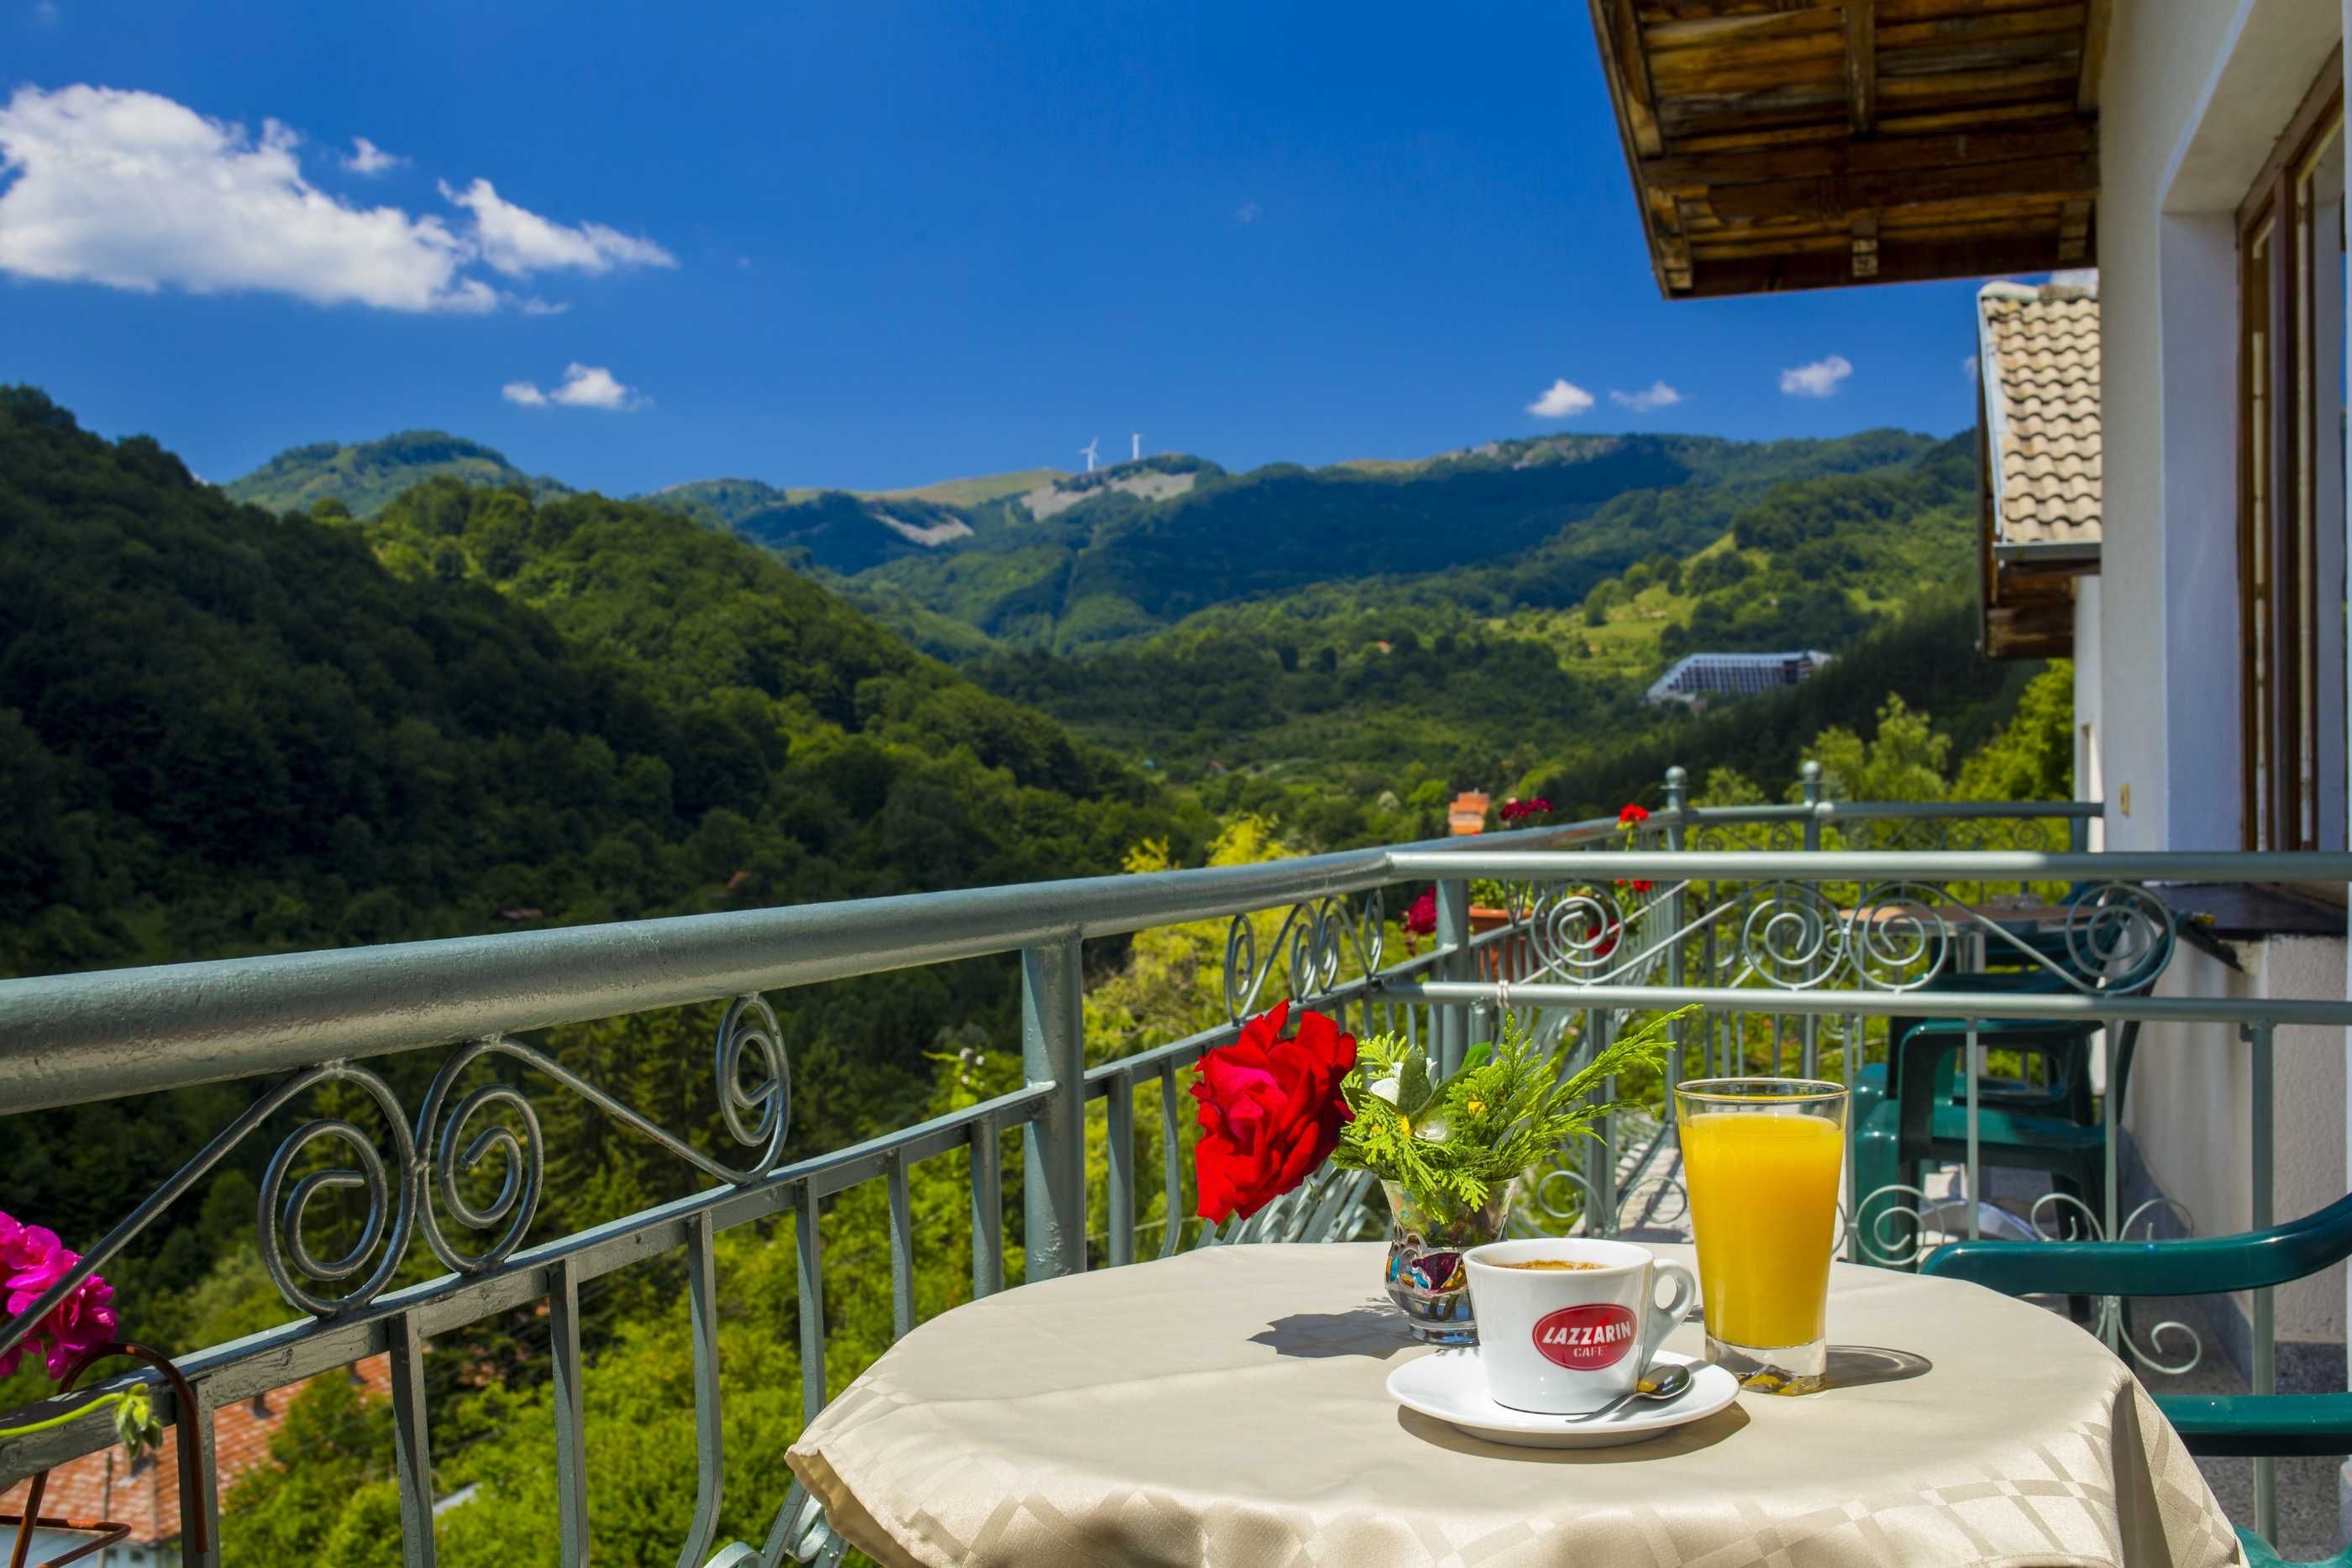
2270 709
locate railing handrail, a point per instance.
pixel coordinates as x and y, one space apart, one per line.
98 1035
1886 865
1882 810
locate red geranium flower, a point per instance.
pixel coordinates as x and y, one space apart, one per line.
1270 1110
1421 915
1629 819
1514 807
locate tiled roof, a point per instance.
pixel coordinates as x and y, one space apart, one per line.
2040 352
146 1495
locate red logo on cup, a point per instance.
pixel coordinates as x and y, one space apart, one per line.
1585 1339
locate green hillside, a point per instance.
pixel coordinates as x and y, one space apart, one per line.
365 477
1486 673
719 502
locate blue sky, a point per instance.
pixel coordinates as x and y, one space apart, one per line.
873 244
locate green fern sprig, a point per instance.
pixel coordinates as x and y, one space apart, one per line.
1453 1142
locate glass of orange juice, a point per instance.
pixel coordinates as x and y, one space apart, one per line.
1763 1158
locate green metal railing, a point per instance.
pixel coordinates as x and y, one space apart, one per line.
300 1021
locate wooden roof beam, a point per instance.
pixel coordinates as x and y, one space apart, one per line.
1862 64
1688 172
1898 262
1831 198
1626 63
2094 56
1866 244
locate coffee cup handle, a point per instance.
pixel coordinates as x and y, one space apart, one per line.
1659 1322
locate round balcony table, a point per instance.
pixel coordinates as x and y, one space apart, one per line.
1227 1406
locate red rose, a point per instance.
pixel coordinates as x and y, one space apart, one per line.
1270 1110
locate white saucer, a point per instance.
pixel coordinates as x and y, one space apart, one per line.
1451 1386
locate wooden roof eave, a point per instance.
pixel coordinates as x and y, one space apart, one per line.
1813 144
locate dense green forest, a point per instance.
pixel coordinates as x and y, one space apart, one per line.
477 707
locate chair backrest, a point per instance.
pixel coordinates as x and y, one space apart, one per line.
2251 1260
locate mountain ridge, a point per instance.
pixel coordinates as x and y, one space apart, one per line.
364 476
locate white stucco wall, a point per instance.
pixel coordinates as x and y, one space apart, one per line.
2190 1110
2192 98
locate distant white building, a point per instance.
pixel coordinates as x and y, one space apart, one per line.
1696 676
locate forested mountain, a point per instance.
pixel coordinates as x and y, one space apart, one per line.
1506 672
364 479
226 732
1516 523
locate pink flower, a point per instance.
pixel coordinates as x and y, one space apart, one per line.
31 1260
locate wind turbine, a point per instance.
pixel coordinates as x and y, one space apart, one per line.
1087 452
1135 450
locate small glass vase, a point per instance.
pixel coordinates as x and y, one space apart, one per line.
1425 1275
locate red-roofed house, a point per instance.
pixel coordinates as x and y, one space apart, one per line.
146 1495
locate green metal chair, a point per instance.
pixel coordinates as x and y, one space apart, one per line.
1920 1111
2010 969
2284 1425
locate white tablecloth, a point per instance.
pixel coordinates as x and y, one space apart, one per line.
1227 1406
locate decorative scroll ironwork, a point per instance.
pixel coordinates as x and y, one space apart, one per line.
1788 936
2046 834
1782 834
1313 942
425 1181
390 1204
2053 1217
2075 1222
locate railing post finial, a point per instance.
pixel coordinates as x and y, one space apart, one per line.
1812 775
1678 787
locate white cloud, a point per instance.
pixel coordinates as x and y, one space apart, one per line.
367 158
583 386
593 386
1651 399
536 307
518 243
1561 399
1819 379
134 191
1969 369
2076 277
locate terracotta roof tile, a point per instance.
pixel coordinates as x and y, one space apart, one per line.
146 1495
2041 352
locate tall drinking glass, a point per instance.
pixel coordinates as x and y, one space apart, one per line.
1761 1157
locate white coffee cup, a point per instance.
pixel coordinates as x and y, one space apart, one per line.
1563 1341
